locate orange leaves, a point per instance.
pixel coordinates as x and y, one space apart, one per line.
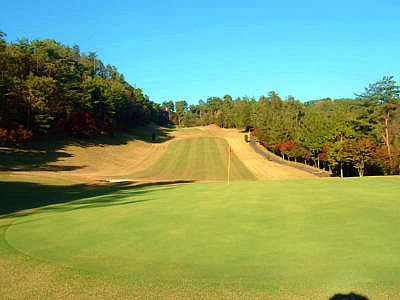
15 136
323 155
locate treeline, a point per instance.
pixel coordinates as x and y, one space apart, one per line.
50 88
346 136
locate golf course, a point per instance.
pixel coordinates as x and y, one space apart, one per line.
137 219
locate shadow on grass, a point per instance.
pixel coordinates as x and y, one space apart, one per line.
350 296
18 196
38 155
32 160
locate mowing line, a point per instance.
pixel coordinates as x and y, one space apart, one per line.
199 158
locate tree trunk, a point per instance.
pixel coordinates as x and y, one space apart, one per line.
28 114
386 138
361 169
341 170
341 163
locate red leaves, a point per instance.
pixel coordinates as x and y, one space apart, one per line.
15 136
288 148
84 125
291 145
323 155
389 163
359 149
281 146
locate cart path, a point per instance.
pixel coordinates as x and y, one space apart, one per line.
286 163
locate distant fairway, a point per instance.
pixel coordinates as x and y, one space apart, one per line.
310 238
180 154
197 158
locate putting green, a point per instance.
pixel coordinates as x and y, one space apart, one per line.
199 158
300 235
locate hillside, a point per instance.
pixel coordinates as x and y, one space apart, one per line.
132 156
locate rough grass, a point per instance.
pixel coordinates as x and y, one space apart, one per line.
199 158
92 158
280 239
189 129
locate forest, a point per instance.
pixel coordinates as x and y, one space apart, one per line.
47 88
349 137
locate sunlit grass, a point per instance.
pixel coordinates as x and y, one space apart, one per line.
198 158
304 237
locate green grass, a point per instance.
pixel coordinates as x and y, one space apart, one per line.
310 238
201 158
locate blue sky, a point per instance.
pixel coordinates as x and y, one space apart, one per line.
191 50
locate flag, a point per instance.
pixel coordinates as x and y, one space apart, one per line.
230 149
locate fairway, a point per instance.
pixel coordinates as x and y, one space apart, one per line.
182 154
303 237
197 158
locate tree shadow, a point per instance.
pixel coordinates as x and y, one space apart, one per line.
161 183
350 296
162 134
38 155
142 133
20 196
32 160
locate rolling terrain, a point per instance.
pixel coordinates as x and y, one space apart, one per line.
131 156
296 239
71 233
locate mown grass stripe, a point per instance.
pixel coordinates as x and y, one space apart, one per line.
200 158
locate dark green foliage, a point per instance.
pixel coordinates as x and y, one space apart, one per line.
181 108
246 138
169 105
47 87
322 133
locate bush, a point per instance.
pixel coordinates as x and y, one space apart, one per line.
15 136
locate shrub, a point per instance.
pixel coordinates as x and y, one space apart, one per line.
15 136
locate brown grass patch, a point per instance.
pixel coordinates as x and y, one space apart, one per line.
104 162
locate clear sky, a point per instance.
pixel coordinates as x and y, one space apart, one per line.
191 50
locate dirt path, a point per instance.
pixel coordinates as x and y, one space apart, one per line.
272 157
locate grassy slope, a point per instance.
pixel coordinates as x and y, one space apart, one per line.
313 237
89 159
200 158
